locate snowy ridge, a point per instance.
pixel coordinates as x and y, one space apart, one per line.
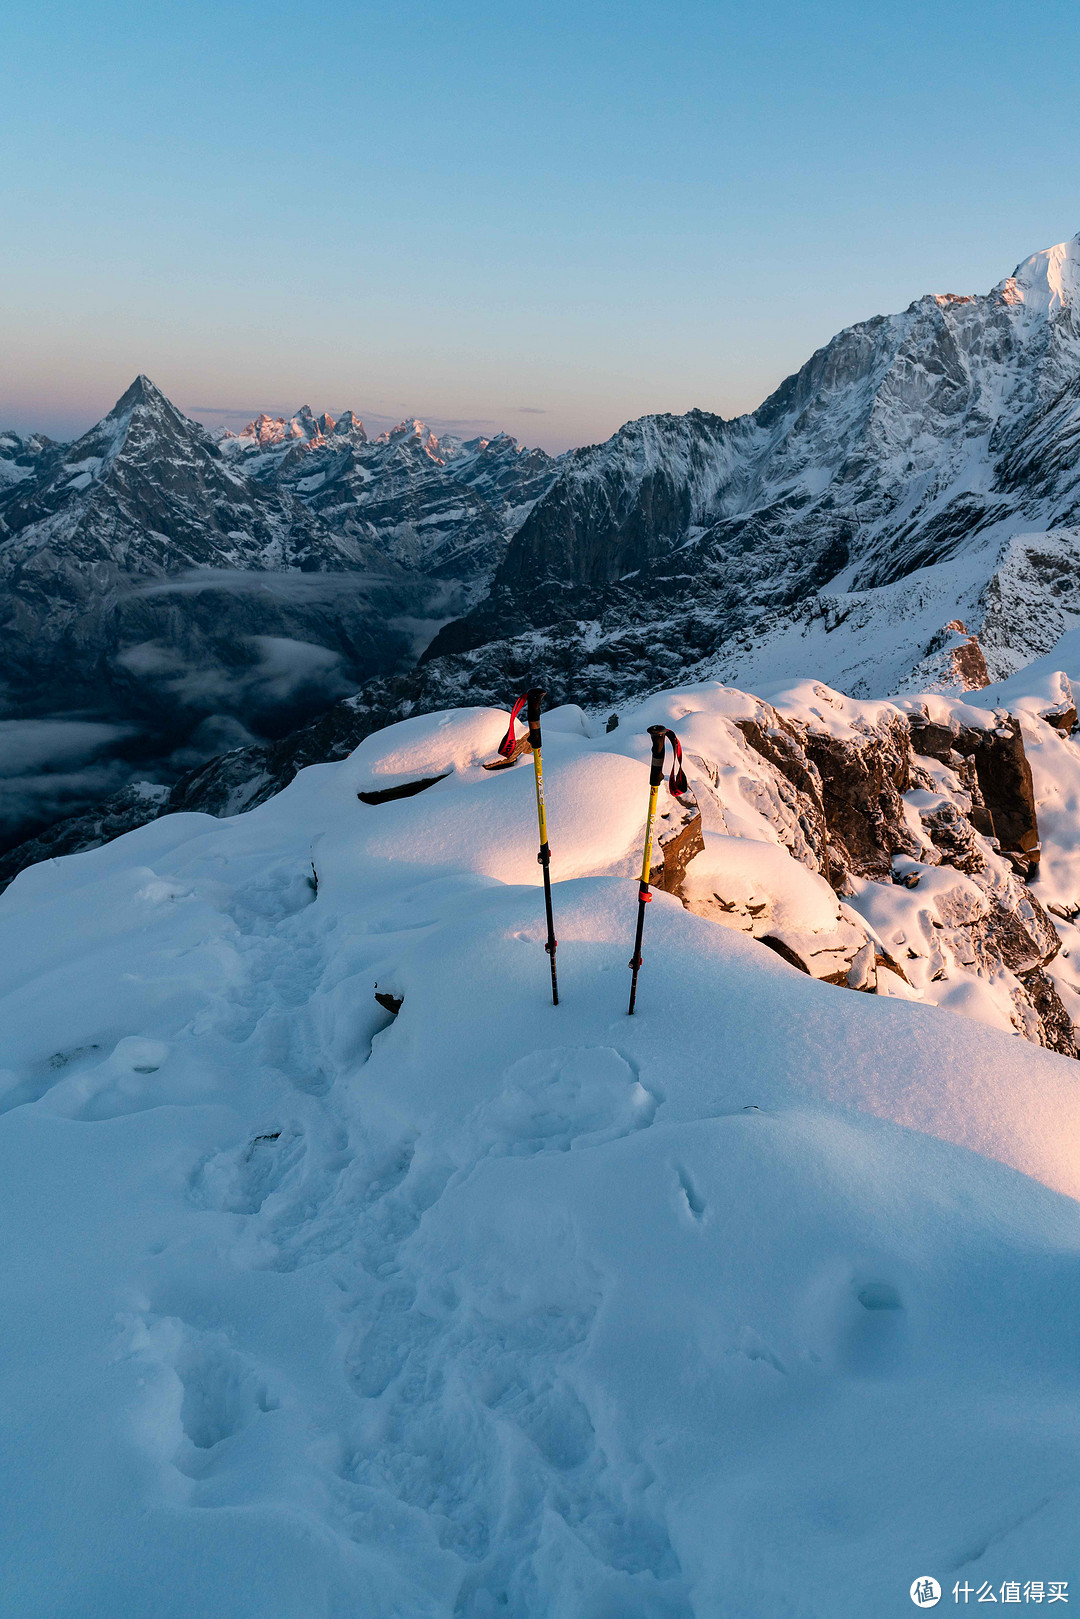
931 439
489 1306
1047 282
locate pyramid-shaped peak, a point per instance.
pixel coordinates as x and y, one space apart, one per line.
141 392
1048 281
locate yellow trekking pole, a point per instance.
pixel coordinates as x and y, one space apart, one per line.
678 785
533 698
510 750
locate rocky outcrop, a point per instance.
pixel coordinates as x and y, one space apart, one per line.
677 840
863 781
1004 807
954 660
860 809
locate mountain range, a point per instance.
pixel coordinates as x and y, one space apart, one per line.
900 514
165 594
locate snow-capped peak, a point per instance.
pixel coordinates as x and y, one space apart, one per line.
413 428
1047 282
141 392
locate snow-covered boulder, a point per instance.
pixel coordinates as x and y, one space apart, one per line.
757 888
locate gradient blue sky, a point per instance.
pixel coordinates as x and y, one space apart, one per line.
549 218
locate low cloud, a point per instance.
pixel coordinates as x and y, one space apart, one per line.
285 667
27 746
303 587
530 410
50 768
274 669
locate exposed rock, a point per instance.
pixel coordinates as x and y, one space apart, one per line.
850 788
405 789
1005 781
954 660
1001 771
677 840
1043 1013
953 836
862 783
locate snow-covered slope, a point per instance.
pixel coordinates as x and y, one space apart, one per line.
758 1303
903 461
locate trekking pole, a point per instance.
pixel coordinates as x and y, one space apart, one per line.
678 785
533 698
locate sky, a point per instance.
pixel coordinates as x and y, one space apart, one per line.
547 219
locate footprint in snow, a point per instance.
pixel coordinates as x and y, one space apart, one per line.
239 1179
565 1097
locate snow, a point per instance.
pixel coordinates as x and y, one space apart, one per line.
1047 282
874 642
761 1302
764 881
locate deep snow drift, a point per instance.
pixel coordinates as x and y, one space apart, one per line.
760 1304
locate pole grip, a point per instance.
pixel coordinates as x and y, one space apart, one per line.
659 741
533 698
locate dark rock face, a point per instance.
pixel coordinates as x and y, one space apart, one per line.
1004 778
862 785
853 787
1005 806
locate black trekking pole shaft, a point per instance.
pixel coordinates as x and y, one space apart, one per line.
656 776
551 945
534 698
636 963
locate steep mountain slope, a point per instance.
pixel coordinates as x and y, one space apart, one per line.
909 442
99 526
